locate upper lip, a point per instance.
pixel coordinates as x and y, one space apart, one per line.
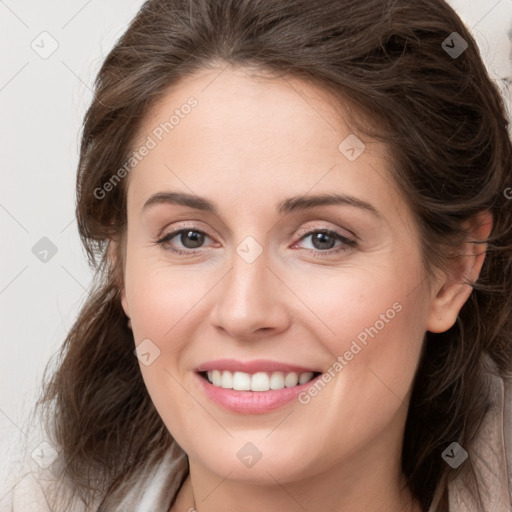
254 366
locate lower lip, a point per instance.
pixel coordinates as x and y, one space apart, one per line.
253 402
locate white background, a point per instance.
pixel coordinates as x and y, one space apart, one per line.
42 103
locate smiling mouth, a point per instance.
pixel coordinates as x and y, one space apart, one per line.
259 381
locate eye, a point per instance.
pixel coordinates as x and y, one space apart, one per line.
323 241
190 238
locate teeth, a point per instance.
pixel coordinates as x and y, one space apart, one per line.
305 377
260 381
277 380
226 380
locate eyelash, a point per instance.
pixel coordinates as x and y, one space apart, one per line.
346 242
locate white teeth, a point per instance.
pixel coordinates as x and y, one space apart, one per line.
277 380
305 377
226 380
291 380
216 378
241 381
260 381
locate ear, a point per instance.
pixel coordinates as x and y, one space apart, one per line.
115 260
454 288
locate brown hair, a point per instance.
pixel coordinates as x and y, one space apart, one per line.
446 126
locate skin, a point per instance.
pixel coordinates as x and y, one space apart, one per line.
249 144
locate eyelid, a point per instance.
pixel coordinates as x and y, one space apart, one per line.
179 225
336 230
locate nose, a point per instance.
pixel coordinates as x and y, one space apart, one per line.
251 301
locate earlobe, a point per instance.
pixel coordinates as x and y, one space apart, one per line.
454 288
446 306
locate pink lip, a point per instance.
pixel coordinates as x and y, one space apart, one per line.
252 402
257 365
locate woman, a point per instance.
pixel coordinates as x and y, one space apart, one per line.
299 217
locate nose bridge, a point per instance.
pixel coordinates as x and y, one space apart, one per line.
247 284
249 300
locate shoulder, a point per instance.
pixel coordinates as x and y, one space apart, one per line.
34 481
39 490
35 485
26 495
490 457
153 489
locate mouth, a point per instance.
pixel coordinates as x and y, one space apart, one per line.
254 387
259 381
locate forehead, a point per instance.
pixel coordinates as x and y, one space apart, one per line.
228 97
251 134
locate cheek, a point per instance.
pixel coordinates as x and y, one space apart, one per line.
164 302
374 356
372 325
160 297
363 302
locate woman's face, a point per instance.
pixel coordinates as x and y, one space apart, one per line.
259 294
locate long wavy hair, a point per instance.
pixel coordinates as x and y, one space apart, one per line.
442 118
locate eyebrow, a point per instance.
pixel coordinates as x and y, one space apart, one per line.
291 204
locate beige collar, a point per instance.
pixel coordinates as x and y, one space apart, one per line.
491 456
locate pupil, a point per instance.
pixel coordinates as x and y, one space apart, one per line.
197 239
320 238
